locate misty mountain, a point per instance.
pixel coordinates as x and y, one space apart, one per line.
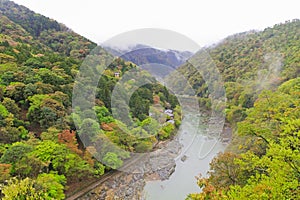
141 54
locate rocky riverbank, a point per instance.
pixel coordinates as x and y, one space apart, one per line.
129 185
125 186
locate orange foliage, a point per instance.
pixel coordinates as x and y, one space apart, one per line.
156 99
88 158
4 171
106 127
69 139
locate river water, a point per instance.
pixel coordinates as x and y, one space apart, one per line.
199 148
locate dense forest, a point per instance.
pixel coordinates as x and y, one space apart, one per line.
41 155
261 74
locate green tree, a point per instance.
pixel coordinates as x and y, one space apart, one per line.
143 146
150 125
112 160
60 158
21 189
3 114
88 130
11 106
15 153
103 114
52 185
15 91
45 111
139 107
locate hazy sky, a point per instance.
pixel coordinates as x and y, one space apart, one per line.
205 22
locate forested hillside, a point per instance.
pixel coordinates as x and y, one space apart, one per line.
41 155
47 32
261 74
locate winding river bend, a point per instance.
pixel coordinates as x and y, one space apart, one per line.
198 149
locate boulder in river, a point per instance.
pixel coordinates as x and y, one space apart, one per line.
183 158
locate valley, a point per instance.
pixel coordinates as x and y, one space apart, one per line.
82 121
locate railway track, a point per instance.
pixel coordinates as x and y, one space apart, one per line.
104 178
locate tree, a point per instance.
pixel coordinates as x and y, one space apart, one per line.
15 91
60 159
103 114
224 172
49 77
8 132
28 166
45 111
15 153
143 146
21 189
45 187
69 139
150 125
139 107
166 131
52 185
4 172
112 160
3 114
88 130
23 164
11 106
2 91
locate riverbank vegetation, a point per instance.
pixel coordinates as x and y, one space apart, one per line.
261 74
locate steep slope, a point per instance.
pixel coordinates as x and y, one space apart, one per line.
250 62
47 31
261 72
40 147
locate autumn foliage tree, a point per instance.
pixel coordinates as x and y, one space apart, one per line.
68 138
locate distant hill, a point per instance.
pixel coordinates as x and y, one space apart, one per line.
141 54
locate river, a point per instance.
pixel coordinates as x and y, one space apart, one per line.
198 149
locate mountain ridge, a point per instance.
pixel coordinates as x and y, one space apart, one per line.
142 54
48 32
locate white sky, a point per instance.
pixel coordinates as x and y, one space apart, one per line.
205 22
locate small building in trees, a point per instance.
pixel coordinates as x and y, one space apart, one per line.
117 74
